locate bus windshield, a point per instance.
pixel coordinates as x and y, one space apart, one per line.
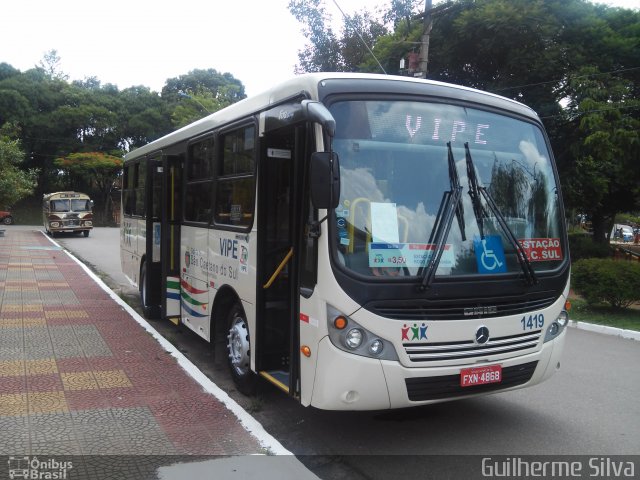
73 205
401 160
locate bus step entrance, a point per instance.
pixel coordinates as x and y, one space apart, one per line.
279 378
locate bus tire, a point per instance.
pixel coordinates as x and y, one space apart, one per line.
239 350
85 233
150 311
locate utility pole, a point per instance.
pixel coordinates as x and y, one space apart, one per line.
427 23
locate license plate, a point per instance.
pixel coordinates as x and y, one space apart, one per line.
480 375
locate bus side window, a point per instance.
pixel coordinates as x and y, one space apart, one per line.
127 187
236 179
199 181
140 185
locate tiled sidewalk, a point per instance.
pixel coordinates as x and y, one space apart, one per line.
78 376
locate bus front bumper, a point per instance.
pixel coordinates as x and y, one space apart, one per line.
350 382
60 227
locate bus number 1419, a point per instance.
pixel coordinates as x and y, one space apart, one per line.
533 321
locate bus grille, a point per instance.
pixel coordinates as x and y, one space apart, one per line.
437 388
468 350
459 309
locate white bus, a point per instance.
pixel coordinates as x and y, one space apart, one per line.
361 241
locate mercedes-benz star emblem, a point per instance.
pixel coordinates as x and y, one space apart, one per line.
482 335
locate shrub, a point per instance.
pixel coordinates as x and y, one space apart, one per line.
582 246
615 282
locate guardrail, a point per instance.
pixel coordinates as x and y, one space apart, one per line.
624 253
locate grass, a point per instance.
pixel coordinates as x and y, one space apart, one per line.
625 318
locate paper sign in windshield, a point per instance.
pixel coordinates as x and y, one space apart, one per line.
384 222
407 255
542 249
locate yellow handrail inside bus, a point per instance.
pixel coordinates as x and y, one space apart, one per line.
279 269
351 225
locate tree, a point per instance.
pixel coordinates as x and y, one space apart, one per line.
606 171
15 183
576 63
344 52
50 63
92 172
323 54
224 87
143 116
199 93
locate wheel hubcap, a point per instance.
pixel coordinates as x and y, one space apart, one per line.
239 347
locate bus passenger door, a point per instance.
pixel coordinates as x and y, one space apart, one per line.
150 276
170 237
277 298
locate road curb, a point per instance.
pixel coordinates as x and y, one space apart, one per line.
618 332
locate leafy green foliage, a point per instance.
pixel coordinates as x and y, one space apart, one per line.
57 119
606 170
92 171
575 62
606 280
344 51
15 183
582 246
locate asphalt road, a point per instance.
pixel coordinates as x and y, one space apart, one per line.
590 407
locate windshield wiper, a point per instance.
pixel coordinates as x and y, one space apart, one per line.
450 206
474 192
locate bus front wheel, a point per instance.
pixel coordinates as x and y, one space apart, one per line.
239 349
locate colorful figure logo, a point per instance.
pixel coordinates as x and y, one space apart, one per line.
417 332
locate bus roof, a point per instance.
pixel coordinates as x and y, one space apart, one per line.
308 84
69 194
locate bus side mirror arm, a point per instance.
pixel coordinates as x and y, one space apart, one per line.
315 111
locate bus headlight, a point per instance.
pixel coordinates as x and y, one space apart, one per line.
347 335
557 326
376 347
54 224
563 318
354 338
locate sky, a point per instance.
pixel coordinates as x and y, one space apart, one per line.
145 42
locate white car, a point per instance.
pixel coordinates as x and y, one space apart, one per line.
624 233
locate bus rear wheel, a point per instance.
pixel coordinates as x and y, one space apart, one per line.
239 349
150 311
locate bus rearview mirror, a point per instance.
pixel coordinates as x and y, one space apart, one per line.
325 180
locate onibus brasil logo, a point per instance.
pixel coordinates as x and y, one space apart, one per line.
34 468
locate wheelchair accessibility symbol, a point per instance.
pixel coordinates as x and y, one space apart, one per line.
489 254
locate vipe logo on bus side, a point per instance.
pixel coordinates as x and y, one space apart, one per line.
34 468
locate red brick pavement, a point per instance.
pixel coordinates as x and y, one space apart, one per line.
86 376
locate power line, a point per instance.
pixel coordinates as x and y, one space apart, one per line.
362 39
